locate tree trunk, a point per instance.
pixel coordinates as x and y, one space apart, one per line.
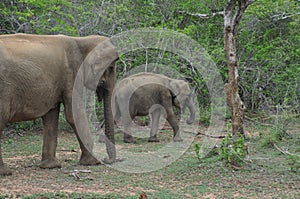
232 16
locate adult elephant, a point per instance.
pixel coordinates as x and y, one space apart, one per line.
37 74
149 93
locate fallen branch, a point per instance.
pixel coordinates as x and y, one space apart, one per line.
257 119
69 150
285 152
75 173
212 136
78 171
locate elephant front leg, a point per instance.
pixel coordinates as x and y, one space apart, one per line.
50 123
4 170
172 121
155 115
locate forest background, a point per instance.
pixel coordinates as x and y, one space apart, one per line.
268 51
267 42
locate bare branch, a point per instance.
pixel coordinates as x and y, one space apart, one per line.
230 7
203 16
242 6
283 151
283 16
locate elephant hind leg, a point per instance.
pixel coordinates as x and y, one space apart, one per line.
4 170
128 138
50 124
155 115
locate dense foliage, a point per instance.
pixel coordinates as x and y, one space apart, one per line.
267 44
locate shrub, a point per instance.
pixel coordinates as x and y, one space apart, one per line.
233 149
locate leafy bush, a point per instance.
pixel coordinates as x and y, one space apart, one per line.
233 149
269 139
279 128
18 128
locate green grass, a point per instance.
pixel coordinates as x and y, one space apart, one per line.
267 173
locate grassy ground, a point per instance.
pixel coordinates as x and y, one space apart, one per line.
268 173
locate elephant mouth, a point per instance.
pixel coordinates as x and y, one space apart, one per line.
91 85
183 108
176 102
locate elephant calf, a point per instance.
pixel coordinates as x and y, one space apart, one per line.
150 93
37 74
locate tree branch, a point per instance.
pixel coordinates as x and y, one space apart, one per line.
203 16
284 16
242 6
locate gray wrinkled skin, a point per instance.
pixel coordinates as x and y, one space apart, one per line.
37 74
148 93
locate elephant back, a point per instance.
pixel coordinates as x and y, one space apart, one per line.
145 78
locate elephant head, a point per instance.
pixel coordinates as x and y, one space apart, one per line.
97 62
99 73
183 97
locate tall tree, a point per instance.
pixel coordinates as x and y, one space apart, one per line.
232 16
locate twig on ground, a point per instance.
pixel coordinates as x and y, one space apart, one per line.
69 150
255 120
212 136
285 152
75 173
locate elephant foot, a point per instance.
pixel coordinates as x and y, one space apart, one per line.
88 160
50 163
111 161
177 139
153 139
129 139
132 141
108 161
5 171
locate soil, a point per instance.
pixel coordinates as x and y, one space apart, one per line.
28 179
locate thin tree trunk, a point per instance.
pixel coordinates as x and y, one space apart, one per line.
232 16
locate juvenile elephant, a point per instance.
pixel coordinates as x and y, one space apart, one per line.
37 74
144 93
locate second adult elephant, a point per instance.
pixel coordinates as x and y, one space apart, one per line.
149 93
37 74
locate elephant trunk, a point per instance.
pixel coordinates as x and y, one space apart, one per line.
192 110
109 121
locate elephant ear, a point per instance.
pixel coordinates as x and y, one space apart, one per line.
97 62
179 87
